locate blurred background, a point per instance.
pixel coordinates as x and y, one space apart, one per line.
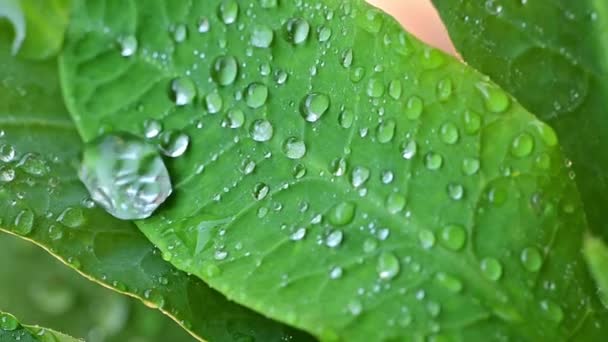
40 290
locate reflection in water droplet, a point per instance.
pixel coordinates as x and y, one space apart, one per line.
262 36
224 70
152 128
228 11
426 238
183 91
359 176
256 95
261 130
386 131
433 161
294 148
470 166
297 30
71 217
334 239
414 108
24 222
491 268
260 191
314 106
449 133
342 214
128 46
126 176
409 149
298 235
173 143
453 237
7 153
522 145
388 266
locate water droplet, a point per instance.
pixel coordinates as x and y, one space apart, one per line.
33 164
522 145
128 46
152 128
491 268
183 91
347 58
298 235
553 310
24 222
355 307
256 95
224 70
531 259
414 108
334 239
314 106
214 102
247 166
375 87
235 118
409 149
472 122
449 282
455 191
126 176
426 238
228 11
496 100
387 177
297 30
342 214
388 266
299 171
444 89
71 217
261 130
174 143
346 119
395 203
7 153
395 89
453 237
370 245
324 33
7 174
8 322
359 176
336 272
180 33
203 25
386 131
294 148
338 167
262 36
220 255
433 161
546 132
260 191
449 133
470 166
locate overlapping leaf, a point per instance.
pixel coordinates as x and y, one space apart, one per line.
42 200
341 177
11 330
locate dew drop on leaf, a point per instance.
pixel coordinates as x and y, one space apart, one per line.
314 106
128 45
256 95
455 191
183 91
261 130
433 161
261 36
491 268
224 70
7 153
359 176
414 108
334 239
125 176
33 164
448 282
71 217
453 237
342 214
260 191
409 149
336 272
152 128
449 133
235 118
472 122
24 222
297 30
298 235
8 322
395 89
496 100
522 145
531 259
470 166
228 11
174 143
395 203
214 102
553 311
388 266
386 131
294 148
426 238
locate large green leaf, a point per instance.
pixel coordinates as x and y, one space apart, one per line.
42 200
11 330
551 55
37 288
450 214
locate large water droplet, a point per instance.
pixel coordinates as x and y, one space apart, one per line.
386 131
491 268
128 45
7 153
522 145
314 106
449 133
225 70
433 161
228 11
262 36
496 100
8 322
470 166
359 176
152 128
174 143
342 214
183 91
256 95
453 237
24 222
388 266
298 235
297 30
260 191
531 259
126 176
426 238
261 130
414 108
294 148
334 239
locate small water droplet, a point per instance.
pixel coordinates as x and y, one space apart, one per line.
531 259
388 266
228 11
152 128
522 145
203 25
491 268
33 164
455 191
235 118
496 100
359 176
395 203
183 91
444 89
336 272
256 95
433 161
261 130
247 166
294 148
24 222
375 87
355 307
224 70
409 149
472 122
180 33
347 58
449 282
214 102
71 217
395 89
426 238
552 310
260 191
297 30
414 108
7 174
453 237
387 177
338 167
7 153
299 234
8 322
342 214
174 143
334 239
128 45
386 131
470 166
346 119
449 133
314 106
262 36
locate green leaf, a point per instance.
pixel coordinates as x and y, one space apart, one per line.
12 330
38 26
38 288
596 254
551 55
450 214
42 200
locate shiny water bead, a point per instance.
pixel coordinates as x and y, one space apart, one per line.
347 58
152 128
449 133
444 89
261 130
214 102
387 266
433 161
470 166
491 268
180 33
174 143
183 91
409 149
298 235
128 45
125 176
395 89
224 70
8 323
262 36
33 164
297 30
496 100
260 191
546 133
453 237
426 238
523 145
294 148
342 214
235 118
314 106
359 176
414 108
7 153
203 25
455 191
346 119
324 34
334 239
7 174
449 282
552 310
375 87
71 217
336 272
269 3
395 203
531 259
386 131
24 222
229 11
256 95
472 122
